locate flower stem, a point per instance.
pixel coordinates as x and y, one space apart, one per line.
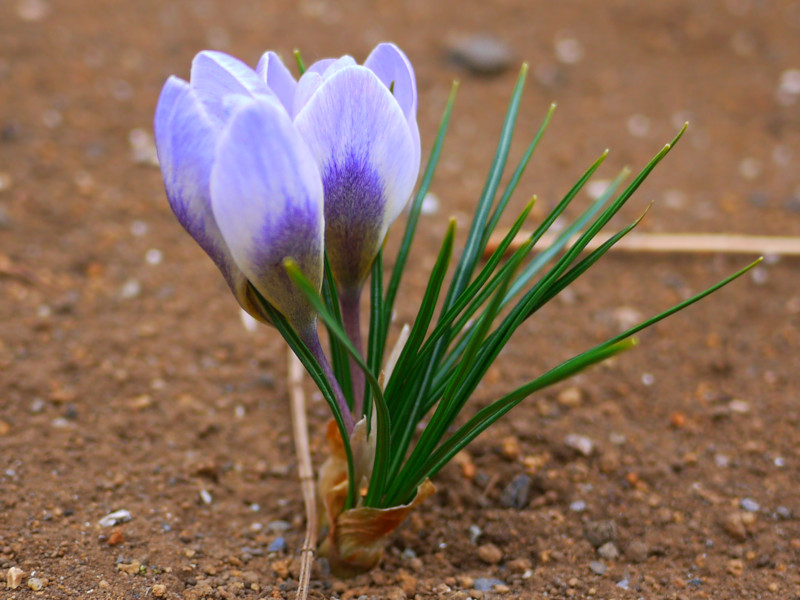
311 340
351 316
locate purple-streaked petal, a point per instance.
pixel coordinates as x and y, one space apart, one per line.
366 151
391 66
278 78
267 198
185 139
216 75
315 75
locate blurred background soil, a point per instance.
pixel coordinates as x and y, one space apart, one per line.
128 382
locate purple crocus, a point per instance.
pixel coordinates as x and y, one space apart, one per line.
242 182
259 166
360 123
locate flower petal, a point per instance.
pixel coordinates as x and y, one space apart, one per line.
391 66
394 69
185 139
315 75
216 75
369 162
267 198
278 78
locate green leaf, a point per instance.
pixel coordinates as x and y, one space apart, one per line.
402 410
472 248
341 366
300 64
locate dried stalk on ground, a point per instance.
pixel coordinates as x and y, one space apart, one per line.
672 242
305 472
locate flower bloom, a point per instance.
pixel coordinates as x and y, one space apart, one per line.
242 182
259 166
360 123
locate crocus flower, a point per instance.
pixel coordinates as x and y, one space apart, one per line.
360 123
243 182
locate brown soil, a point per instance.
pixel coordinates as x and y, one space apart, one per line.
131 385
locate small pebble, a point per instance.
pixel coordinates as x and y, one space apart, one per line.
597 188
577 506
597 567
783 512
759 275
130 289
430 204
623 583
517 493
598 533
570 397
279 525
608 551
735 527
139 228
638 125
790 83
750 505
153 256
474 533
482 54
159 590
205 496
486 584
739 406
581 443
569 50
14 577
143 149
35 584
490 554
637 551
5 181
750 168
277 545
32 10
115 518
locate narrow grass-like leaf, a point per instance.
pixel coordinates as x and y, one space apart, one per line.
486 417
403 410
480 296
514 181
490 414
339 362
472 248
299 60
530 270
450 403
428 304
377 329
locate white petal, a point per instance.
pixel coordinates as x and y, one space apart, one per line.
266 195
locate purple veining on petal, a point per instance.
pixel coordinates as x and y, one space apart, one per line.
366 152
354 210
